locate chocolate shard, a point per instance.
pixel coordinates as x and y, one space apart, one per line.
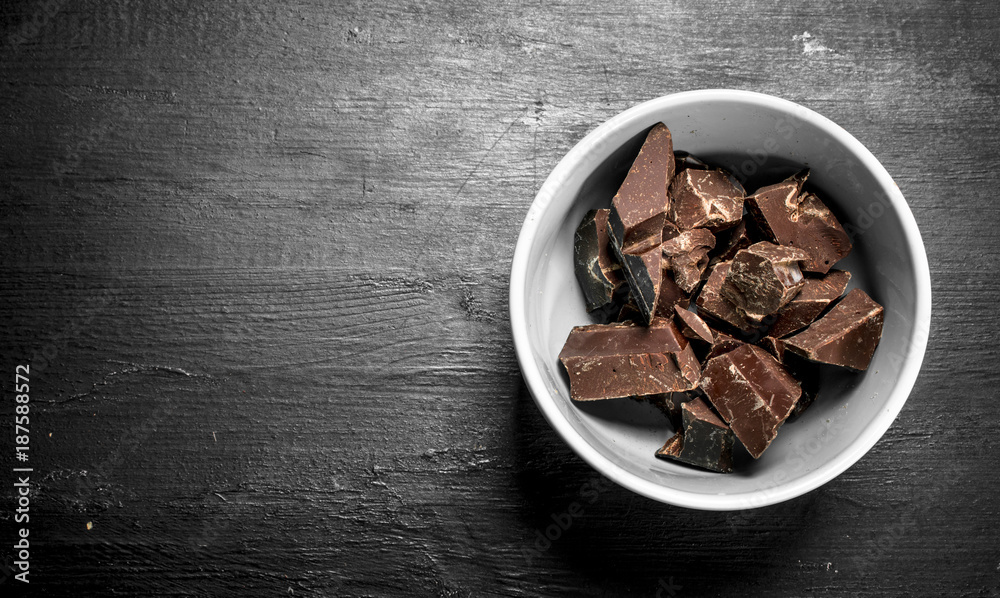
606 361
672 448
638 213
705 199
597 271
734 239
644 273
847 335
684 160
723 344
670 295
706 440
752 392
816 295
790 217
774 346
763 278
807 373
687 256
712 304
693 327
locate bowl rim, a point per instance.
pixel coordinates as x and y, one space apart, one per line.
756 498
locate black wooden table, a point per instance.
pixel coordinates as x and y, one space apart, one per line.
257 254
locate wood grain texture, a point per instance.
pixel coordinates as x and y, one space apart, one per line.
258 254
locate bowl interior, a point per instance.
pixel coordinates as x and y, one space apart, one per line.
763 140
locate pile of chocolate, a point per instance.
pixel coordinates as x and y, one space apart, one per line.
718 318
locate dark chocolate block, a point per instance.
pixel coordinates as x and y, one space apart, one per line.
790 217
713 305
687 256
597 271
638 213
705 199
847 335
606 361
763 278
816 295
752 392
706 441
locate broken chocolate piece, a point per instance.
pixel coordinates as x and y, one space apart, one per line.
752 392
606 361
597 271
713 305
735 239
684 160
815 296
763 278
774 346
706 441
693 327
670 404
790 217
687 256
672 448
638 213
671 295
807 374
705 198
723 344
644 273
847 335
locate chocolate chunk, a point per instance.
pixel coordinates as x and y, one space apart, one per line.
807 373
723 344
638 213
597 271
672 448
713 305
706 441
684 160
752 392
763 278
774 346
847 335
670 404
693 327
790 217
607 361
735 239
643 194
687 256
671 295
705 198
644 273
815 296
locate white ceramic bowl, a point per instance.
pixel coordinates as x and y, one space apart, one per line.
764 139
